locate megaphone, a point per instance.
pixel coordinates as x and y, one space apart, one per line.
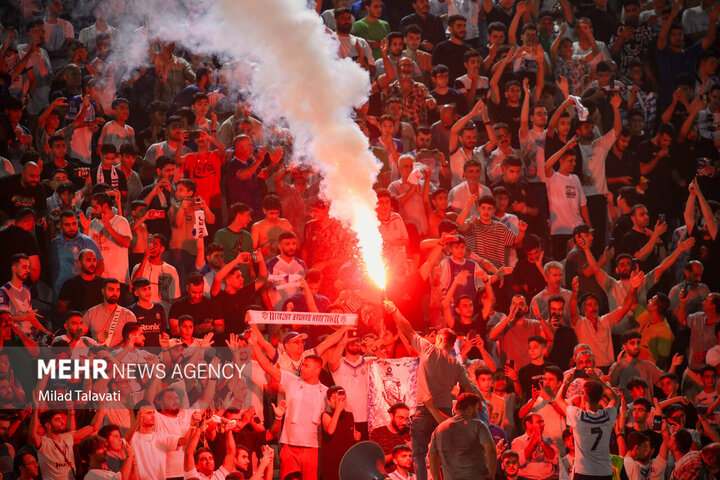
364 461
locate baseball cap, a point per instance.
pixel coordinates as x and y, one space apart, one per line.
290 336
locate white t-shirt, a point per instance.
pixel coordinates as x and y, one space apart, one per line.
164 282
151 450
115 256
599 340
566 196
56 457
305 405
593 158
218 474
635 470
174 427
97 474
591 433
413 210
460 194
353 377
457 163
115 134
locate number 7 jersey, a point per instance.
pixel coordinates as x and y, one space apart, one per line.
591 434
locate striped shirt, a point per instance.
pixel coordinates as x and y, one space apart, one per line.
489 241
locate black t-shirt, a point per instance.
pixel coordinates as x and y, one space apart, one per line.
452 56
203 312
157 225
50 167
531 375
235 305
563 346
626 166
655 438
152 321
659 179
526 278
14 240
632 242
497 14
452 96
622 226
81 294
107 178
14 196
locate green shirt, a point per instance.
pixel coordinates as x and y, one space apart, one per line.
371 31
230 242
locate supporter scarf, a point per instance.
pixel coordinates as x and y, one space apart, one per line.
114 178
302 318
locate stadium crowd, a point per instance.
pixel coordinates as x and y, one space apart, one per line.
549 204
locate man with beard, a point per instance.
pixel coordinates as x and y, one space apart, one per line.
158 195
23 190
74 333
463 148
19 238
200 462
15 296
285 272
151 316
234 297
174 128
84 290
171 420
351 46
621 169
154 448
452 52
629 364
106 320
205 313
397 432
55 447
617 289
112 234
632 39
65 248
656 164
351 371
639 462
641 242
430 25
414 96
593 155
164 281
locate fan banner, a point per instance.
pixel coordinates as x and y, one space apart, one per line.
302 318
390 381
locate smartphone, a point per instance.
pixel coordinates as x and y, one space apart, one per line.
511 364
701 409
635 263
661 218
254 256
701 164
198 200
580 374
194 134
155 214
657 423
472 333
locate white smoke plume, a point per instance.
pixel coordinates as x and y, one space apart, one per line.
296 77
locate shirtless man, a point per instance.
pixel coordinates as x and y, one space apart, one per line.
265 233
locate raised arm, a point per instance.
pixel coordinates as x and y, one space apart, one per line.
495 80
710 222
525 110
683 246
712 28
512 31
665 30
549 172
272 370
401 322
241 257
458 126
